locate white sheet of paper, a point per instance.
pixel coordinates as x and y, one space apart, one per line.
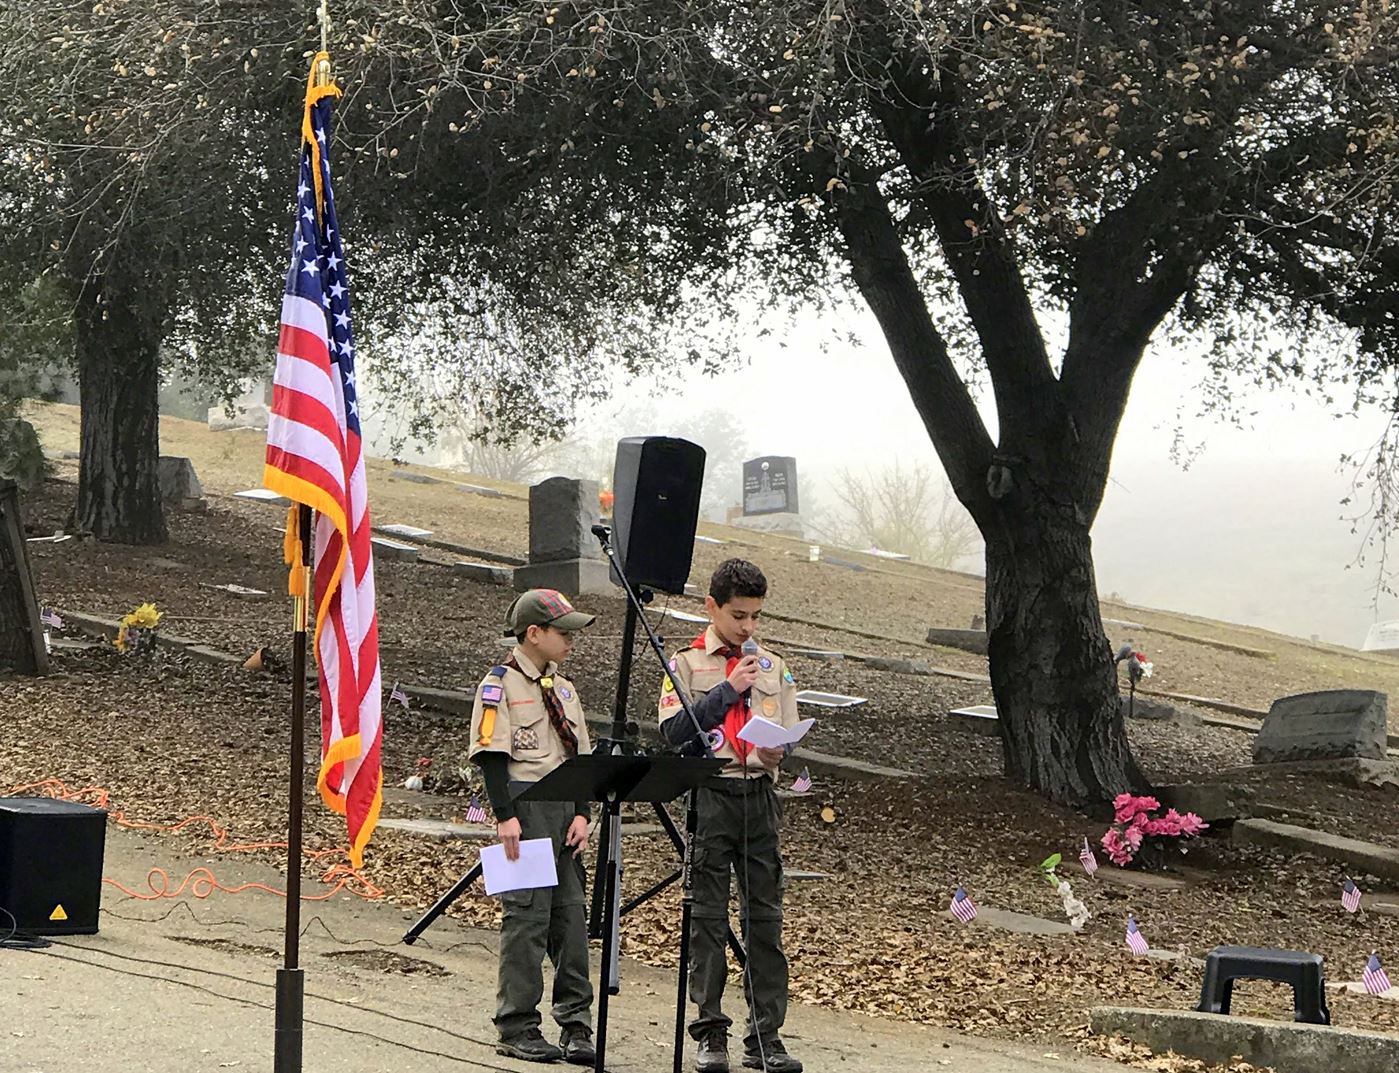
766 734
535 867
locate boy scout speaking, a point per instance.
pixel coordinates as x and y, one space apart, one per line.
731 678
526 722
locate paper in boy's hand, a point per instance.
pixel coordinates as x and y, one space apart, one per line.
766 734
534 868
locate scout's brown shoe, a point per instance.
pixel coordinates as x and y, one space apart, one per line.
713 1054
577 1044
773 1059
529 1046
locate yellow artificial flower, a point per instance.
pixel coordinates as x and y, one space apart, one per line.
145 617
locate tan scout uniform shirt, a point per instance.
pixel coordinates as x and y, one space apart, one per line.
510 717
774 696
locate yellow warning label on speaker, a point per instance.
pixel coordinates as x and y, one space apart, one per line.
58 913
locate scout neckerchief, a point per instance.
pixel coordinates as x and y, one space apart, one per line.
562 727
738 713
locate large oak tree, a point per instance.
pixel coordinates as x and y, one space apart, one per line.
1223 169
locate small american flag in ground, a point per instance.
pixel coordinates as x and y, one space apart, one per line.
963 908
1376 982
1085 855
802 783
396 693
474 812
1136 941
1350 897
49 617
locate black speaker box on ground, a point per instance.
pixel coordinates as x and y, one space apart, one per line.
657 483
50 865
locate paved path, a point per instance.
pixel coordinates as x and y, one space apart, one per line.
194 991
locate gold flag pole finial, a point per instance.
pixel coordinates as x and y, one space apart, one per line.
323 67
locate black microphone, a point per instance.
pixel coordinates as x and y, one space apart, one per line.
750 648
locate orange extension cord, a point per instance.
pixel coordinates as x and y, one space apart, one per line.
201 882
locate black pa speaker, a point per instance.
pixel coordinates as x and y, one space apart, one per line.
656 483
50 865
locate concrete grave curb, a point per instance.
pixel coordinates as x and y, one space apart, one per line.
1368 857
1285 1046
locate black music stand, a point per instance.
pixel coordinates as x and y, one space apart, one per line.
612 779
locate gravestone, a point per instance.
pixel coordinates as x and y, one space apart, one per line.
384 548
1333 724
770 502
980 719
1382 637
1152 709
974 641
21 632
21 454
251 409
179 485
563 552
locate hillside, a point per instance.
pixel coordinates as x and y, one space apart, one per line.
848 590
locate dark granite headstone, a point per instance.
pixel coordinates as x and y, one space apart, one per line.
770 486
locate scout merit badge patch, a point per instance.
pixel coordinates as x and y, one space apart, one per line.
525 739
769 705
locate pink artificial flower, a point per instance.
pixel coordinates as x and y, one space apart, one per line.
1133 837
1124 805
1116 850
1191 824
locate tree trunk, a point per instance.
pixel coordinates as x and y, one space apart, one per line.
119 382
1051 668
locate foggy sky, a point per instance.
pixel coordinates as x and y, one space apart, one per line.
1251 532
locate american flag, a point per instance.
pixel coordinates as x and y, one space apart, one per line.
802 783
1136 941
1350 896
963 908
397 694
49 617
474 812
1374 978
314 458
1086 857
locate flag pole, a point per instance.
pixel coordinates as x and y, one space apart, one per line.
291 978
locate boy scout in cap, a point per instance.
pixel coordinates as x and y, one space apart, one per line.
527 721
738 816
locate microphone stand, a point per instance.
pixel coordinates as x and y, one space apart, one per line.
617 743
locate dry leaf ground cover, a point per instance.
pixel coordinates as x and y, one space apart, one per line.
169 738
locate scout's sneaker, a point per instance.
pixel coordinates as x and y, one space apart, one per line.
774 1059
713 1056
529 1046
577 1044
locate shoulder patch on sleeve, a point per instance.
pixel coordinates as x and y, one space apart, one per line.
498 670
